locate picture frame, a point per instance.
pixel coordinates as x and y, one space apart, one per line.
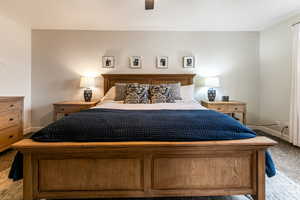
188 62
162 62
108 62
135 62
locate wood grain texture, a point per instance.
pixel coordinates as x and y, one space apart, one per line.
261 186
111 79
8 136
230 171
28 186
7 105
11 121
144 169
76 103
32 146
90 174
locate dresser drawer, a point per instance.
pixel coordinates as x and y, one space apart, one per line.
236 108
70 109
8 106
219 108
8 119
9 136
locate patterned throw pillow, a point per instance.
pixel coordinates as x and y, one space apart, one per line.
161 94
137 94
175 90
120 91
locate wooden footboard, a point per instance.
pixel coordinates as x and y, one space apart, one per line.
144 169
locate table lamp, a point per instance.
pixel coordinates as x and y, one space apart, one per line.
87 83
212 82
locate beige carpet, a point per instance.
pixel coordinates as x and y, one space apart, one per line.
10 190
278 188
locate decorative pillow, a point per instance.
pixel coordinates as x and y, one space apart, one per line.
161 94
120 91
175 90
137 94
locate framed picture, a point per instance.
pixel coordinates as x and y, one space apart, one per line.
135 62
162 62
108 61
189 62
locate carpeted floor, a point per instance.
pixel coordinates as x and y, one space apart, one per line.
284 186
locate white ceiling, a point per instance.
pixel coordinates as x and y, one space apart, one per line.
191 15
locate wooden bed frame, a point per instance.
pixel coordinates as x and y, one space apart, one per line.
144 169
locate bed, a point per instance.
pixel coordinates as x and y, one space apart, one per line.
58 170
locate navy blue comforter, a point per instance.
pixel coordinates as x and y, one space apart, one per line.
109 125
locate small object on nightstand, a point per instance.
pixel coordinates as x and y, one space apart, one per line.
68 107
212 82
235 109
87 83
225 98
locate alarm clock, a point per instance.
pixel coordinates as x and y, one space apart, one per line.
225 98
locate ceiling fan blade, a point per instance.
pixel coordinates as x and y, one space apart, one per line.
149 4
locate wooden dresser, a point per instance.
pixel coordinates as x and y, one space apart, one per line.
11 121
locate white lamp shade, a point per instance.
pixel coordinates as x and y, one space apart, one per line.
87 82
212 82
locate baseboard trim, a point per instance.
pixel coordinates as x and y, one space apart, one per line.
271 132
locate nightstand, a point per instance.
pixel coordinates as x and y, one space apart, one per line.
67 107
235 109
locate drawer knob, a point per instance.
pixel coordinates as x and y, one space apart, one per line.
11 119
11 136
12 105
219 108
235 108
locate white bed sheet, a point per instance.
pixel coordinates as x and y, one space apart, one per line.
179 105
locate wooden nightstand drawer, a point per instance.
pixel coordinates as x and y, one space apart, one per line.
68 109
236 108
218 108
8 119
7 106
9 136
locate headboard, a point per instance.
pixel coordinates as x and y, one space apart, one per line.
111 79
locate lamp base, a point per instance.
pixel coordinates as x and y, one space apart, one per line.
211 94
88 94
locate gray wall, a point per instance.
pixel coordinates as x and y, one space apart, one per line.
59 58
15 63
275 72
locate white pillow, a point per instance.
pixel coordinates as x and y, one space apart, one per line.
187 93
111 94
